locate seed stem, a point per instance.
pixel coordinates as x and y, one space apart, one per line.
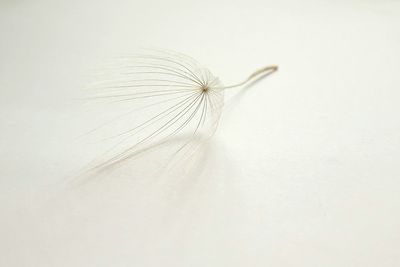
258 74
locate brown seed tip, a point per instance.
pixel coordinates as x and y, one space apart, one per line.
204 88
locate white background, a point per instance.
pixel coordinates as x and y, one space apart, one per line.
303 171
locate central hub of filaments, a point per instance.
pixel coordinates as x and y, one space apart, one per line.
204 88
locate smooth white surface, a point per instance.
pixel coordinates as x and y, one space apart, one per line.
304 170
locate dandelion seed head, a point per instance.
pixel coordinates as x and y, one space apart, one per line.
167 95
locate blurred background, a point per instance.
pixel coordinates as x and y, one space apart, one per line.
303 171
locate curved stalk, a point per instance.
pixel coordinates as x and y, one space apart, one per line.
255 76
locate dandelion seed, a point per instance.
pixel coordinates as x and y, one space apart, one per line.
171 95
